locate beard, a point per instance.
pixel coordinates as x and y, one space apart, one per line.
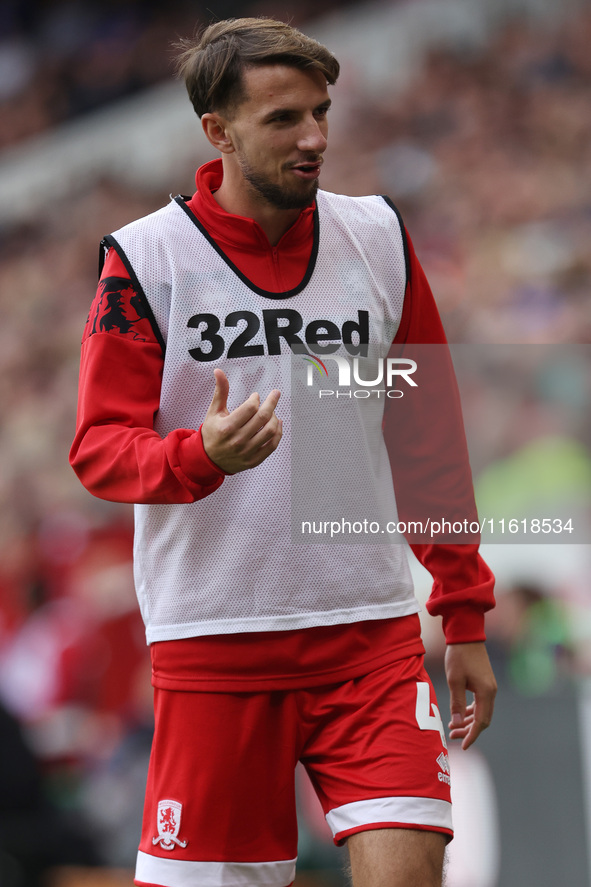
275 195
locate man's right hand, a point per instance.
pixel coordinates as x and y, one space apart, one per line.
246 436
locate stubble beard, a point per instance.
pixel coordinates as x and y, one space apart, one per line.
275 195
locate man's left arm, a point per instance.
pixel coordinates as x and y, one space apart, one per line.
420 438
462 593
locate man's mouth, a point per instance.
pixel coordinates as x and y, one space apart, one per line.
309 170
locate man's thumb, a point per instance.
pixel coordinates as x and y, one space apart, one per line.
220 395
457 707
457 719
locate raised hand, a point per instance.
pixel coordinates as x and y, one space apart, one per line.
246 436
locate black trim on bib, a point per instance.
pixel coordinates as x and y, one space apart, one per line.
395 209
109 241
103 250
245 280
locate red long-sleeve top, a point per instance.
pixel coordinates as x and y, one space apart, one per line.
118 456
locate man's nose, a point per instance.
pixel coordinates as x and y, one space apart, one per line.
312 137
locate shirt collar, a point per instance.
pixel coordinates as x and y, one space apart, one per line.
240 231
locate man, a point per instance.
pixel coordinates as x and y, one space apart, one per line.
267 652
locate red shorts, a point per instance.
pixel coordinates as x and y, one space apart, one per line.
220 800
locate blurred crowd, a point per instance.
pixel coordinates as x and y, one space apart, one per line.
60 59
487 153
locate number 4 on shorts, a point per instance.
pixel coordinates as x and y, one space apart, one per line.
425 719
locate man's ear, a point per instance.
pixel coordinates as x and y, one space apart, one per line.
215 128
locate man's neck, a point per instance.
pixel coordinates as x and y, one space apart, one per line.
235 199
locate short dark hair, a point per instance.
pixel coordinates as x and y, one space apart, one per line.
213 63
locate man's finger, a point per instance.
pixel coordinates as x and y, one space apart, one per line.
478 718
265 433
249 418
483 713
219 401
457 701
267 408
250 437
458 712
244 422
268 447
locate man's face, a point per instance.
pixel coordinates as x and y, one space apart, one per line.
279 134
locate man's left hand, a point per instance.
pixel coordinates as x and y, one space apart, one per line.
468 668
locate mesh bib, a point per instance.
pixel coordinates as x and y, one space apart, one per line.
230 563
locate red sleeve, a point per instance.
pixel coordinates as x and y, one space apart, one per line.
463 583
116 453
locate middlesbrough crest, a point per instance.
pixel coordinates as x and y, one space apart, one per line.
169 824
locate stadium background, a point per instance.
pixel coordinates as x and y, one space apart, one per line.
475 118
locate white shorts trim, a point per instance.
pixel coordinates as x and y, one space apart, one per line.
155 870
426 812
